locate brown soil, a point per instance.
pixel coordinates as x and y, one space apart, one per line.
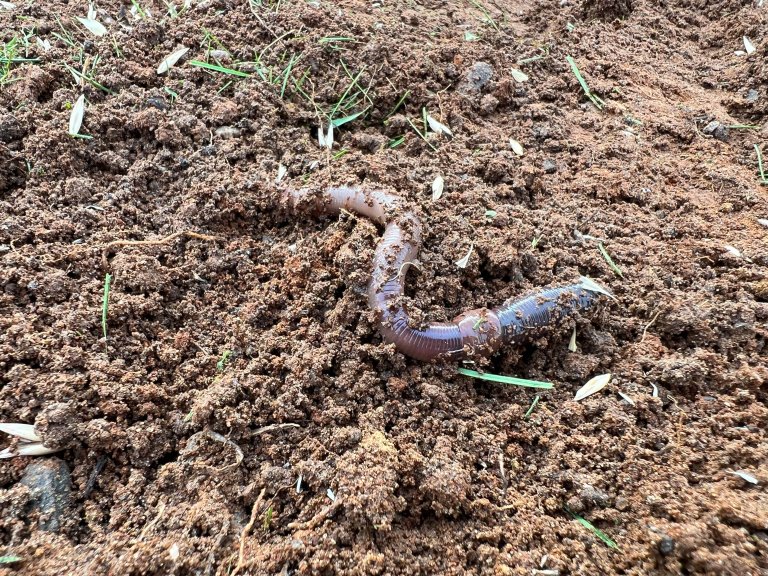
433 473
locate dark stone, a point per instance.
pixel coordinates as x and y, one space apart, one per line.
50 490
549 167
666 545
157 102
479 75
717 130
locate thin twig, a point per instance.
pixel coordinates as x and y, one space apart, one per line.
166 240
645 330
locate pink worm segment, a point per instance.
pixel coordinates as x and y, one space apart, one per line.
475 332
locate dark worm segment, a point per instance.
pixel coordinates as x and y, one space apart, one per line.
475 332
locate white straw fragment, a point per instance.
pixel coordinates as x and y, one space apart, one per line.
748 46
594 385
517 148
437 188
171 59
746 476
438 127
23 431
27 449
281 172
94 26
76 117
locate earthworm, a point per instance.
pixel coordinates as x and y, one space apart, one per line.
475 332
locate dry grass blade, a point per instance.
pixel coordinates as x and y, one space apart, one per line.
76 117
594 385
437 188
171 59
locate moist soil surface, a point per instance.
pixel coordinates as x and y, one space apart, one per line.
243 416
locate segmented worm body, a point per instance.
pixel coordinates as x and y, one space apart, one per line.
475 332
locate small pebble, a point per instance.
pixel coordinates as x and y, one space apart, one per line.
549 166
717 130
666 546
479 75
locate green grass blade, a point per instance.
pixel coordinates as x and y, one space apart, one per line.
596 100
341 121
592 528
506 379
532 408
763 179
217 68
610 261
9 559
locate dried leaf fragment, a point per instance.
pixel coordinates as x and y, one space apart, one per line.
462 263
594 385
518 75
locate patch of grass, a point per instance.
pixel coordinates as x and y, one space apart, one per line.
610 261
395 142
10 55
105 306
763 179
336 42
596 100
592 528
399 103
223 360
422 135
87 73
268 518
506 379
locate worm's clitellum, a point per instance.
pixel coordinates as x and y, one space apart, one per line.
475 332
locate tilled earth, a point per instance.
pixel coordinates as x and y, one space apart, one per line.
242 415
